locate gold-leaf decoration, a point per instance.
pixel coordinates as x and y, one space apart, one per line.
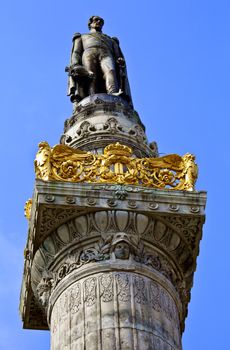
115 165
27 208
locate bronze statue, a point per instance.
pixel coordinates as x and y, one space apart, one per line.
97 65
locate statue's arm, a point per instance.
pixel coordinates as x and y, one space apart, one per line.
117 51
122 72
77 50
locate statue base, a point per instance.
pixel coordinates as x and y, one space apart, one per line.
102 119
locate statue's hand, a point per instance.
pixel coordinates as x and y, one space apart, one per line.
121 61
91 75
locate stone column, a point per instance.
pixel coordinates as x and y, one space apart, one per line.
114 308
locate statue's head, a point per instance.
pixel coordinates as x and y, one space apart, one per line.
122 246
96 22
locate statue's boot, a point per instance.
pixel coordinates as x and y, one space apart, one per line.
111 82
92 87
120 92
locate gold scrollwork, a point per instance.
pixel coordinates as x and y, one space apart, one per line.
116 165
27 208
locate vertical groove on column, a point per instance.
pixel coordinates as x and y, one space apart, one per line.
83 313
116 315
135 340
99 325
69 321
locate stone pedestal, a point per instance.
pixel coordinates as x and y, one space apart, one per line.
110 266
100 120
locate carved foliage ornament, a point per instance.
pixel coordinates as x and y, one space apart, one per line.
104 250
116 165
119 246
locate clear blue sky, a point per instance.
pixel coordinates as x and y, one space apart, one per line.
178 57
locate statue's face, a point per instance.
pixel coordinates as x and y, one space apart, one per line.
97 23
122 250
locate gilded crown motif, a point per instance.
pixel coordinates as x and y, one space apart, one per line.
118 150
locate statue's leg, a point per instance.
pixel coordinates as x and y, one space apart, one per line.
89 61
109 72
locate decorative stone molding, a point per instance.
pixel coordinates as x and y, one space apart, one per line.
111 126
187 226
102 103
100 120
52 217
44 290
117 246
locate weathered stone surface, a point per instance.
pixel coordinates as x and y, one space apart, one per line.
86 232
102 119
118 310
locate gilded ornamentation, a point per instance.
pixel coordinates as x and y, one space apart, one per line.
116 165
27 208
63 163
